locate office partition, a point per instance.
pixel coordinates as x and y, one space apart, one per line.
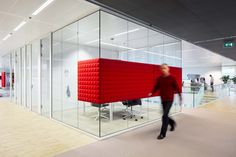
118 45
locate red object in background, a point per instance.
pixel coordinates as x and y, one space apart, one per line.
88 80
106 80
3 79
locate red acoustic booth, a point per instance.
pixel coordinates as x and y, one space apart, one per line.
106 80
3 79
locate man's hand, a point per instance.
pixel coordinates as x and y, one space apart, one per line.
181 104
180 101
149 94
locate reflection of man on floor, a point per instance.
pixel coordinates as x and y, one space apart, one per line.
167 85
212 83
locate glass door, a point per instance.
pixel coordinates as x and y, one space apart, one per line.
35 76
18 76
45 76
28 76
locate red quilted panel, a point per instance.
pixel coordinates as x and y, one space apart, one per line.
122 80
105 80
3 79
88 80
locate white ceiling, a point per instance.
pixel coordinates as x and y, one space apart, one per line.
195 56
55 16
63 12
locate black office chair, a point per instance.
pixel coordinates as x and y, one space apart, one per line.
130 104
102 109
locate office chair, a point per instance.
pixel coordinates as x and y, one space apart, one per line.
101 107
131 112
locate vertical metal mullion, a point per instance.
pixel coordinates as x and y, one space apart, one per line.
50 75
78 47
20 66
11 76
15 78
25 76
99 46
30 70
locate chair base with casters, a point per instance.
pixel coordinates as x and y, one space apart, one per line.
132 113
102 108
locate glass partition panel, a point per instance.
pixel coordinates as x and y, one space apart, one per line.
35 76
172 51
76 42
64 75
88 43
14 85
124 40
28 76
6 67
69 58
45 76
57 76
12 76
155 47
114 43
18 76
23 74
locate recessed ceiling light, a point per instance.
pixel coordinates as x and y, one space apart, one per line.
20 25
6 37
42 7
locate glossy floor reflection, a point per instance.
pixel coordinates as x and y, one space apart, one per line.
26 134
208 131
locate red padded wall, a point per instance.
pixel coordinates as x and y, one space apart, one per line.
3 79
88 80
117 80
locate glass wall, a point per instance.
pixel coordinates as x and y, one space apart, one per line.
18 76
6 68
45 76
23 76
122 39
99 35
28 76
35 97
70 45
113 38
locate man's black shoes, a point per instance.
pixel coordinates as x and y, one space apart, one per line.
160 137
173 127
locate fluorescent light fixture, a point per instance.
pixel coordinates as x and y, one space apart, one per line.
93 41
20 25
158 54
130 31
42 7
168 44
114 45
6 37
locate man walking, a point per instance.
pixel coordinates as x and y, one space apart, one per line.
167 85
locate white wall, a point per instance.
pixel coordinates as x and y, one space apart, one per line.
229 70
204 72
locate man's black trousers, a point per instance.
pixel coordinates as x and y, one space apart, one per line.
166 105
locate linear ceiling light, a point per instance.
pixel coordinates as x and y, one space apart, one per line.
42 7
119 46
133 30
20 25
6 37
